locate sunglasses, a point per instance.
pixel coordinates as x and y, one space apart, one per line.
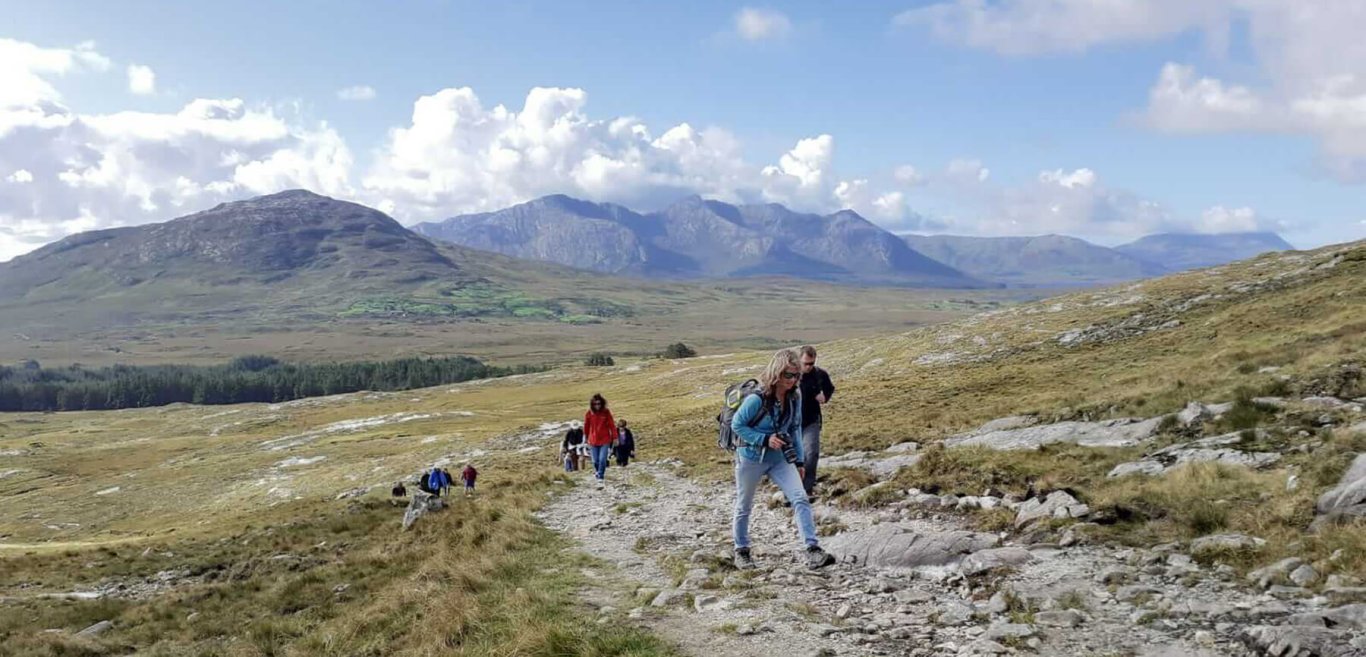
791 375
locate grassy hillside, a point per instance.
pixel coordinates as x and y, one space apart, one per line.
129 494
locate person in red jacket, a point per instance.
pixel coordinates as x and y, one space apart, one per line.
468 475
600 432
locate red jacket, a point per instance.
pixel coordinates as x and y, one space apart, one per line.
599 428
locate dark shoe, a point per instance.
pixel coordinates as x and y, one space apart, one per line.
817 558
742 559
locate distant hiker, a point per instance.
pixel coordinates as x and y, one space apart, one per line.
437 481
817 389
569 449
770 446
448 479
626 444
468 475
600 432
424 483
398 492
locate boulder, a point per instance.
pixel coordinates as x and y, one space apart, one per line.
1064 618
1230 542
1298 641
1348 497
1148 468
1197 412
889 545
1123 432
990 559
420 505
1058 504
96 629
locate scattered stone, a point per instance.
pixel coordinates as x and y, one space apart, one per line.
956 613
1115 575
1304 575
667 598
1064 618
1058 504
1297 641
704 603
1226 542
1009 631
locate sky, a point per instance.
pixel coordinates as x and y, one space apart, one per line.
1101 120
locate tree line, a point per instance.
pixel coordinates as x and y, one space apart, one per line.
31 387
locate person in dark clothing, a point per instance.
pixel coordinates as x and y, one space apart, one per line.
424 483
817 389
626 444
398 492
569 449
448 480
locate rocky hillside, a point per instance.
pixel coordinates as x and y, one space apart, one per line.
1171 467
1044 261
697 238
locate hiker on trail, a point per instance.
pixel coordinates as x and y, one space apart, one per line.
569 449
448 479
626 444
437 481
817 389
600 432
398 492
468 475
771 446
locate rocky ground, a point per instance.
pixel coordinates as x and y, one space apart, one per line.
913 580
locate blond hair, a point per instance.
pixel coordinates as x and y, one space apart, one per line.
773 374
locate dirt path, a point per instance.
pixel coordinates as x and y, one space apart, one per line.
668 540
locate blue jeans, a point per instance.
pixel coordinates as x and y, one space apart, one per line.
600 455
784 474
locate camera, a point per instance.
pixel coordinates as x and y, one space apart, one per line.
789 450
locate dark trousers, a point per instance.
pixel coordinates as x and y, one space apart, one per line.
811 442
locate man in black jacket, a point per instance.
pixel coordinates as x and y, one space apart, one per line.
570 447
817 389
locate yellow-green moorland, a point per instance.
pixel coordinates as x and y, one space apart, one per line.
238 502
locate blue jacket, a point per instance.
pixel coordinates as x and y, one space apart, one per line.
755 439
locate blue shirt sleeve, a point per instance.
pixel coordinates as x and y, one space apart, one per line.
744 417
794 429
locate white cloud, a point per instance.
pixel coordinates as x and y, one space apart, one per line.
1220 219
1023 27
88 171
357 92
908 175
967 170
458 156
24 79
1073 180
759 24
1311 60
141 79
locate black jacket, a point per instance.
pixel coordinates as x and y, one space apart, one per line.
572 438
813 383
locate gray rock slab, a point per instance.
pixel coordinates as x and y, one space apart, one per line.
989 559
1348 497
892 546
1122 432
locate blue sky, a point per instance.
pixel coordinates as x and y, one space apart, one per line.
1017 117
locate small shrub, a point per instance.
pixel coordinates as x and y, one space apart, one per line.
678 350
599 360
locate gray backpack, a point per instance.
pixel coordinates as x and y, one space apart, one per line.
735 395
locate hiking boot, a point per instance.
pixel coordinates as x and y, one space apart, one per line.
742 559
818 558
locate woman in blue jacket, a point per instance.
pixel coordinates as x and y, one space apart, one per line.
772 445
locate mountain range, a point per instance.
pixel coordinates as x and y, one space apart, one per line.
697 238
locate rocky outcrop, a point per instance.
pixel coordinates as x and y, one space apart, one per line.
1124 432
420 505
1208 450
1348 497
1058 504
